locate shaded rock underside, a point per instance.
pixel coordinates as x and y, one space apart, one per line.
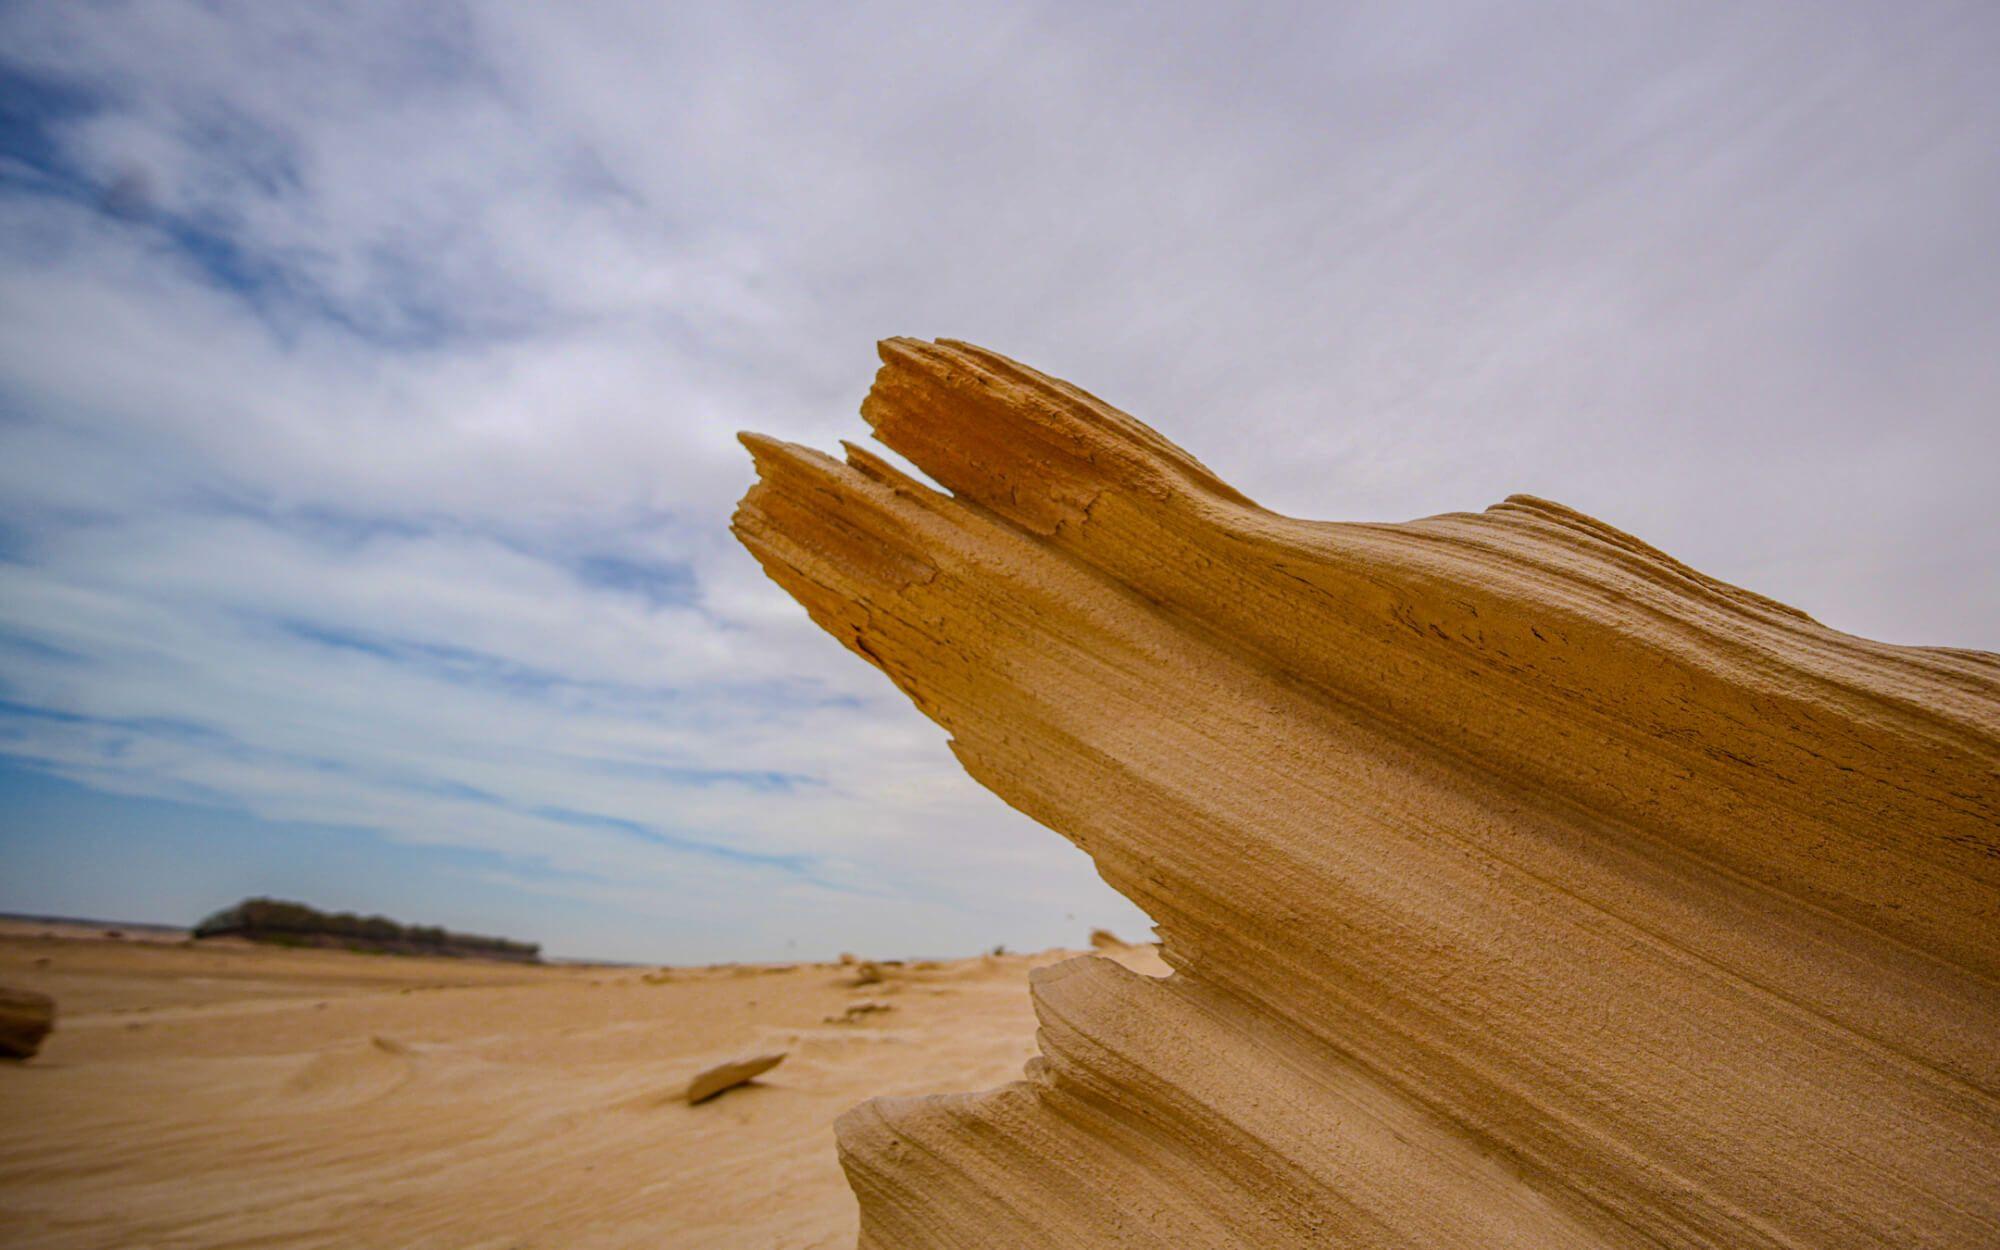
1523 886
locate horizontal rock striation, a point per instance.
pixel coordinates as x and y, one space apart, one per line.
1522 885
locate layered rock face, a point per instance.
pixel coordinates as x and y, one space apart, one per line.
25 1019
1523 886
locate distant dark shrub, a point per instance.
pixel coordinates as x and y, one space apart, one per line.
295 924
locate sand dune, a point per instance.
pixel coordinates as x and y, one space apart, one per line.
1522 885
236 1095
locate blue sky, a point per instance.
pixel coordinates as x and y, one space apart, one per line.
369 376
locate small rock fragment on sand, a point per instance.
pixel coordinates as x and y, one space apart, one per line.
729 1075
868 972
855 1011
25 1019
1106 940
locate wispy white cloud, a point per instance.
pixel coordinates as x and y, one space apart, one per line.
370 372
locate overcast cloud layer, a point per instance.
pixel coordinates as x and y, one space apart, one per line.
369 376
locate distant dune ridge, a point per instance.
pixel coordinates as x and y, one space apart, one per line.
1522 885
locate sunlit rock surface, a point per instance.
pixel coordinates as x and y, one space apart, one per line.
1523 886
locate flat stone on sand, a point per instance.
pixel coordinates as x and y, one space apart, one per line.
855 1011
731 1074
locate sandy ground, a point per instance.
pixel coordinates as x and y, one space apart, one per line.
233 1095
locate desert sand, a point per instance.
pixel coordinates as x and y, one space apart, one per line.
1522 886
224 1094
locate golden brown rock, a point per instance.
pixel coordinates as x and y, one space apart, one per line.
25 1019
1522 886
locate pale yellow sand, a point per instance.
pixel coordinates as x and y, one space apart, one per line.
251 1096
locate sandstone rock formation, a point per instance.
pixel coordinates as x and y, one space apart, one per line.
25 1019
728 1075
1522 885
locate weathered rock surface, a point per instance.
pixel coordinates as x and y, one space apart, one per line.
25 1019
1522 886
726 1076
